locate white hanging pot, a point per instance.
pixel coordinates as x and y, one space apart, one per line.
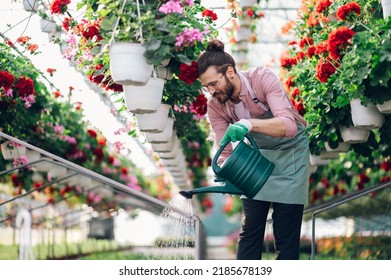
30 5
161 137
247 3
342 147
128 65
313 168
165 147
155 122
240 57
11 150
57 171
179 159
32 155
47 26
385 108
316 160
386 5
173 153
79 180
367 117
37 177
163 73
43 166
244 33
328 155
144 99
353 135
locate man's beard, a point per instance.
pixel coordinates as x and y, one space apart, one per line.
226 93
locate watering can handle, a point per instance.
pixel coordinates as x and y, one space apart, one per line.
215 167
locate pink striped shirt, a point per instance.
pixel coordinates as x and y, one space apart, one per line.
268 89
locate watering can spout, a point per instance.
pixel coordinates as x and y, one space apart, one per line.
225 189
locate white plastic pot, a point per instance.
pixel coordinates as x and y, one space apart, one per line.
161 137
30 5
47 26
367 117
144 99
384 108
128 65
353 135
12 151
155 122
386 5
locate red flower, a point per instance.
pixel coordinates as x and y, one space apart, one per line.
66 23
345 10
322 47
300 56
311 51
322 5
386 165
189 73
90 29
6 80
51 71
32 48
306 41
92 133
59 6
57 93
338 39
324 69
295 92
78 105
15 180
250 12
289 82
363 178
199 105
210 14
24 86
286 62
110 160
98 152
124 171
23 40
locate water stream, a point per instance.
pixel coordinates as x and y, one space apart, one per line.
178 240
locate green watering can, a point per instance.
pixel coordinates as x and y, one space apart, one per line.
244 172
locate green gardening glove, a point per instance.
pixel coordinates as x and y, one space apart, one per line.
237 131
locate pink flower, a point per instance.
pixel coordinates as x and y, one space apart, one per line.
28 100
188 37
59 129
172 6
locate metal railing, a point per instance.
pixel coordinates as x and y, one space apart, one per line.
132 198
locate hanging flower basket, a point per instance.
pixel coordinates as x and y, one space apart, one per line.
47 26
30 5
353 135
386 5
385 108
316 160
57 171
163 73
247 3
165 147
244 33
43 166
32 155
342 147
328 155
144 99
161 137
173 153
11 150
155 122
367 117
128 65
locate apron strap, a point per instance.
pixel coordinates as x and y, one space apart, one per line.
251 91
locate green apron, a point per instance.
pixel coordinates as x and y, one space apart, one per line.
289 181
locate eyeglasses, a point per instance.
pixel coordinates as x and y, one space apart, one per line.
212 85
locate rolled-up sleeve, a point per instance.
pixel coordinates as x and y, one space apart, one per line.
277 100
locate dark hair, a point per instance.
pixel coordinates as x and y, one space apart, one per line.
215 56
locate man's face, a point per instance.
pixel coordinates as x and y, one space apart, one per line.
217 84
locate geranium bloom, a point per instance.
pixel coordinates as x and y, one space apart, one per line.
324 69
24 86
306 41
23 40
289 82
199 105
92 133
32 48
6 80
51 71
189 73
188 37
286 61
172 6
321 47
59 6
210 14
345 10
337 39
323 5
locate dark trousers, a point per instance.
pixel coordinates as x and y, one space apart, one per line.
287 219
